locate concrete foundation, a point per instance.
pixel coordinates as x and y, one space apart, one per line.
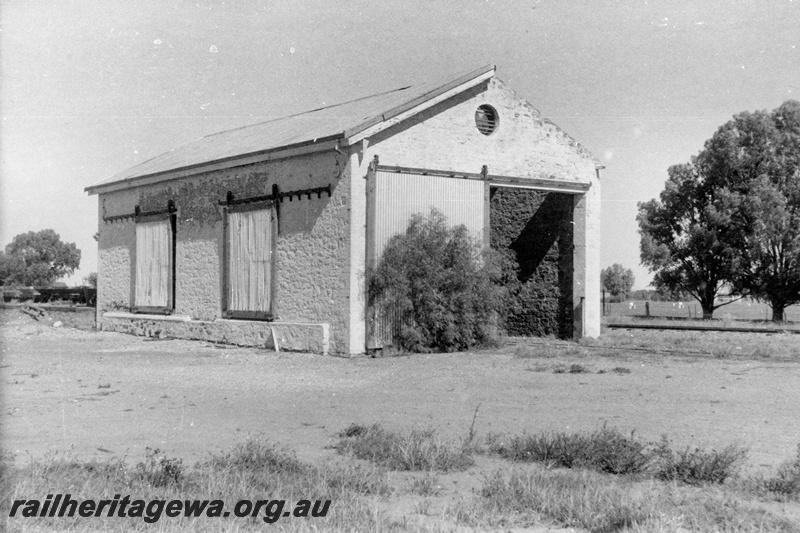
279 336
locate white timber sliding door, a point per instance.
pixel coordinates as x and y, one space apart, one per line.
154 265
395 195
250 243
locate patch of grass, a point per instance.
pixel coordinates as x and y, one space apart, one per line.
254 469
538 367
157 470
542 351
726 513
571 369
601 503
416 450
423 507
697 465
608 451
762 352
605 450
621 370
548 351
426 485
265 466
786 483
723 345
578 369
258 463
569 498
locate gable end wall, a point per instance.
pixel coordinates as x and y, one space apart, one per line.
525 145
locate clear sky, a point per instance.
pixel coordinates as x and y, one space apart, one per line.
89 88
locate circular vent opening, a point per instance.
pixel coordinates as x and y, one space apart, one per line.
486 119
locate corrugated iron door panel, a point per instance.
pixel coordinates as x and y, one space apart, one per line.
398 196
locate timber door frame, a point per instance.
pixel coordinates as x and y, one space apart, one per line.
269 315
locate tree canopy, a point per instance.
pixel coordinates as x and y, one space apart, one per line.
617 280
685 237
756 156
38 259
91 280
730 218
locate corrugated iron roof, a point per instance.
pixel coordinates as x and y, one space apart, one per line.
318 125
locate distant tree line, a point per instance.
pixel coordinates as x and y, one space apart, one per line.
729 219
617 281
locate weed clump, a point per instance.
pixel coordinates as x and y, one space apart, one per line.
419 450
605 450
427 485
256 454
571 369
786 484
437 288
697 466
158 470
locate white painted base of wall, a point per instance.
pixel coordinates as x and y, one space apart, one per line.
278 336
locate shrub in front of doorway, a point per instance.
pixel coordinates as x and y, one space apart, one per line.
436 288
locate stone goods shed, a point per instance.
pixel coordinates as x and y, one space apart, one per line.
261 235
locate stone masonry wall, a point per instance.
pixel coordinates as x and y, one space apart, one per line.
312 248
532 230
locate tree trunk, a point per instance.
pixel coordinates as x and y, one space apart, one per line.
777 311
707 298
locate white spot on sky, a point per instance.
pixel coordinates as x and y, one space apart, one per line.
157 41
291 50
608 155
213 49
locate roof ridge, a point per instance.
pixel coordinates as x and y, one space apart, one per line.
308 111
451 77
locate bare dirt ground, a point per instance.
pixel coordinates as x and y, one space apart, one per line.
97 394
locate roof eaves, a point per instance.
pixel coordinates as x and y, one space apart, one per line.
279 152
